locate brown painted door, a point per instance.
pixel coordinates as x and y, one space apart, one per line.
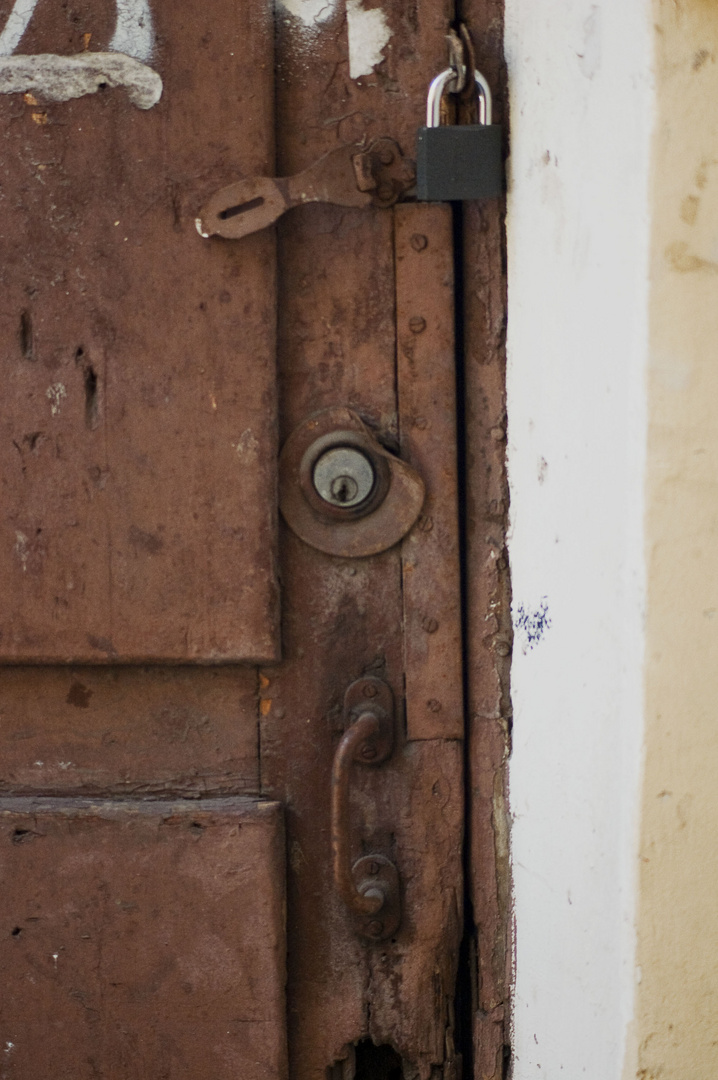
174 659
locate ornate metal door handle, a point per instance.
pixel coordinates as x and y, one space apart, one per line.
370 886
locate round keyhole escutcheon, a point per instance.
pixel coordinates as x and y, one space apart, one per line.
344 476
343 492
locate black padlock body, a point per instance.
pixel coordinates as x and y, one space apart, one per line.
456 163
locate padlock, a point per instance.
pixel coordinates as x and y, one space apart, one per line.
460 161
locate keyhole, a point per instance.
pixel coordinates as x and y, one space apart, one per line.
344 489
344 476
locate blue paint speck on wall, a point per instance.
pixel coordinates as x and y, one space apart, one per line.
532 623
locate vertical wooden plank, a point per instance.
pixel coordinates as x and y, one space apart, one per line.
343 618
413 976
425 793
488 591
426 376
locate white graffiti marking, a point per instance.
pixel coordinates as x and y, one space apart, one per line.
368 33
16 25
60 78
311 12
133 33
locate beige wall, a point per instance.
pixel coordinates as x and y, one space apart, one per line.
676 1018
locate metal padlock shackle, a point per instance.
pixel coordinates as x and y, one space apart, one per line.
438 88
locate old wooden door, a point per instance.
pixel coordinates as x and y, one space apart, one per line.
174 657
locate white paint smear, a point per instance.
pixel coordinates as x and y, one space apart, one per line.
310 12
21 549
133 33
368 34
16 25
61 78
54 395
133 30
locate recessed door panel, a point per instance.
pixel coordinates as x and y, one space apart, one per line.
137 435
129 730
142 939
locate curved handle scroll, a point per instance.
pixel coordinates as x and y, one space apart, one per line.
370 886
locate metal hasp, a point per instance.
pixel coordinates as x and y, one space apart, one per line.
370 886
351 175
458 162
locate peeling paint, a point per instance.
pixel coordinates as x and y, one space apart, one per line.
17 23
21 549
61 78
368 34
54 395
309 12
247 445
133 33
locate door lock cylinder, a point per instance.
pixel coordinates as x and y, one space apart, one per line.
344 476
341 491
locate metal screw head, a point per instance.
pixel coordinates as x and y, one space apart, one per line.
368 752
343 476
375 928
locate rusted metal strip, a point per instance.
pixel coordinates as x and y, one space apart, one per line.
427 425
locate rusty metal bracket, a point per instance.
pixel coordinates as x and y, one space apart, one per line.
370 887
351 175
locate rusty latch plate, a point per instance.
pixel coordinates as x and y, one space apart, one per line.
351 175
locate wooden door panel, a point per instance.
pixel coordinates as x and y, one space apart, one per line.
108 972
139 440
138 434
129 730
413 977
426 386
344 618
